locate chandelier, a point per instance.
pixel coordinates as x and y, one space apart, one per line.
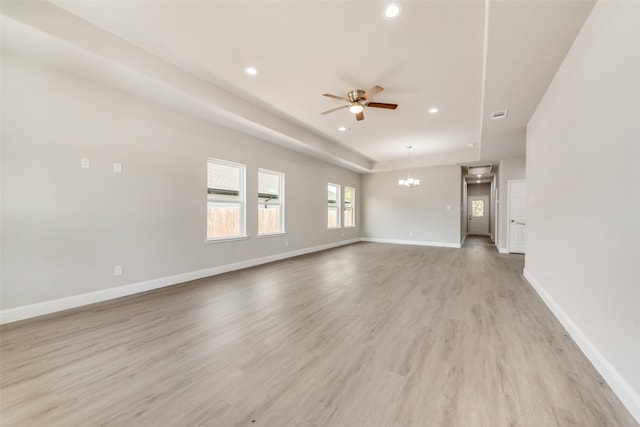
409 182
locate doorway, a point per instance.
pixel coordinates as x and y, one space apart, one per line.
478 215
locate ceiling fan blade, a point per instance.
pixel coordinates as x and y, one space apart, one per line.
372 92
360 116
335 109
342 98
382 105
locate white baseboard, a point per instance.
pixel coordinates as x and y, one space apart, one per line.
411 242
74 301
463 239
629 397
503 250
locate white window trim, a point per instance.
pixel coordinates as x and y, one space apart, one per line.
338 205
242 202
353 205
280 200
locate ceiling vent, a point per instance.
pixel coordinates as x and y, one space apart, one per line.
499 114
479 170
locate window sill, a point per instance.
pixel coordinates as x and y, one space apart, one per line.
262 236
226 239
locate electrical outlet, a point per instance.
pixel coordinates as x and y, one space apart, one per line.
411 234
117 270
117 167
85 163
286 243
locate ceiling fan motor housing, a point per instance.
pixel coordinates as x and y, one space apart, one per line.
355 95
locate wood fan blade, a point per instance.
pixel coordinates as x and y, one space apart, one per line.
372 92
382 105
336 97
360 116
335 109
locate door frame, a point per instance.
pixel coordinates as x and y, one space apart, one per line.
487 209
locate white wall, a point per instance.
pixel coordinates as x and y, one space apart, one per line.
428 214
64 228
509 169
583 233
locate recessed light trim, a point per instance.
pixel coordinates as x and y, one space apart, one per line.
251 71
433 110
392 11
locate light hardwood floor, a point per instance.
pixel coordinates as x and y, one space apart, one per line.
363 335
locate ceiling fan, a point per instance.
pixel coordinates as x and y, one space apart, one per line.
358 99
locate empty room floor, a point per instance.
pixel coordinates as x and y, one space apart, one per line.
363 335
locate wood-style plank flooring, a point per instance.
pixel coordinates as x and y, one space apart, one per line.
363 335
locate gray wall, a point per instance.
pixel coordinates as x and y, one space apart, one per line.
582 155
426 214
64 228
508 170
479 189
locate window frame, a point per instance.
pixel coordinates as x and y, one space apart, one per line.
338 206
353 206
281 200
241 203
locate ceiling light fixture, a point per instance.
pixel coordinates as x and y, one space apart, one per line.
342 128
392 10
433 110
356 108
251 71
409 182
479 175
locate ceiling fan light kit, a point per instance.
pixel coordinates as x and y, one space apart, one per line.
358 99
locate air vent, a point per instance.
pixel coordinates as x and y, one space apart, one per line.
499 114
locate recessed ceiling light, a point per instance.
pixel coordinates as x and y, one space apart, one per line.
392 10
342 128
471 144
433 110
478 181
251 71
479 176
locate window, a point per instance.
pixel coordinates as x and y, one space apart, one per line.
270 202
349 206
477 208
225 199
333 219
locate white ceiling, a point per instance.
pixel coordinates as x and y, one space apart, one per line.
468 58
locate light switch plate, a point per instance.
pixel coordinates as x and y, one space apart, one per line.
85 163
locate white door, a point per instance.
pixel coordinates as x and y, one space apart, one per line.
478 207
517 216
